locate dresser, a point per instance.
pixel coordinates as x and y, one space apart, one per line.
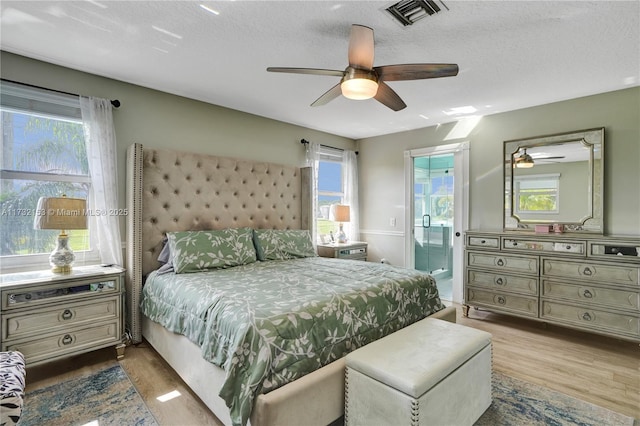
586 282
352 250
49 316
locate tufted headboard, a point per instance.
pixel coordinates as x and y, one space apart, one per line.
176 191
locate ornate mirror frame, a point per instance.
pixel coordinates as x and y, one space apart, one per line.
590 219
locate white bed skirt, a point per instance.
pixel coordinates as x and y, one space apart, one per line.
317 397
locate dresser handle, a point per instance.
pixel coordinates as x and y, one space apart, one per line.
67 314
67 339
586 316
501 300
482 242
500 262
587 294
587 271
568 247
500 281
515 243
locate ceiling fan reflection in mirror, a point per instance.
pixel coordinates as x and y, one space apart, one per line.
525 160
361 80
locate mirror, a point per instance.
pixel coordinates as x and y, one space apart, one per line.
555 179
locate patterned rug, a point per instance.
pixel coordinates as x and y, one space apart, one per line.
103 398
109 398
517 403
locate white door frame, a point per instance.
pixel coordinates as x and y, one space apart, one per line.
460 153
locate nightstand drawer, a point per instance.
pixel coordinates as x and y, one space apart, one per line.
64 343
63 316
59 292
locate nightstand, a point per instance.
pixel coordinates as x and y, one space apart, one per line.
49 316
352 250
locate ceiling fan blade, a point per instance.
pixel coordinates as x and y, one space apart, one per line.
388 97
313 71
415 71
328 96
361 47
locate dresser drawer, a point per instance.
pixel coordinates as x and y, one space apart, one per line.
591 272
63 316
483 241
498 261
553 246
522 305
596 319
511 283
592 295
73 340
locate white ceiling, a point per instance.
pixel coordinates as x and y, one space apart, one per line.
511 54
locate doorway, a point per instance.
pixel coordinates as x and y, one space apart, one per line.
437 200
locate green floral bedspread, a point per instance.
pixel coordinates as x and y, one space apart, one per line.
269 323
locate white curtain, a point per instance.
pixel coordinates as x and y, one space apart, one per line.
350 188
312 159
104 223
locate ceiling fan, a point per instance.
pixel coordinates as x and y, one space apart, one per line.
524 160
361 80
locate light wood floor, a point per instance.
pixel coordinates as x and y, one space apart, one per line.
593 368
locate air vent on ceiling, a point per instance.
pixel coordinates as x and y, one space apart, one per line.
409 11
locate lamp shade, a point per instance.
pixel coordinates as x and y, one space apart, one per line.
61 213
340 213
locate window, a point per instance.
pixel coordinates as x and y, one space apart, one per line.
43 155
330 189
537 193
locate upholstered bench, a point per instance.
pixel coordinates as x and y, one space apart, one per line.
12 375
430 373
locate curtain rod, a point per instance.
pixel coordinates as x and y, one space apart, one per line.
304 142
114 102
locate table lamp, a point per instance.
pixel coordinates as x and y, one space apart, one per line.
63 214
340 213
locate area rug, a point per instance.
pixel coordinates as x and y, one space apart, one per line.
106 397
517 403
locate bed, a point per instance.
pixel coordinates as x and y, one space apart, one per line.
172 193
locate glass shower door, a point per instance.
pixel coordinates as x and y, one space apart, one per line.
433 219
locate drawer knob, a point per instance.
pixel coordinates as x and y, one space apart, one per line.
67 314
27 296
500 262
586 316
515 243
67 339
501 300
500 281
587 271
587 294
568 247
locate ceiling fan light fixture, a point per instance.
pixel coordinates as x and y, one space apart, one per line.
359 88
359 84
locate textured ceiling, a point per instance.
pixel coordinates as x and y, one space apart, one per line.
511 54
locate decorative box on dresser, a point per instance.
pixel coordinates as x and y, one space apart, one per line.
351 250
49 316
586 282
